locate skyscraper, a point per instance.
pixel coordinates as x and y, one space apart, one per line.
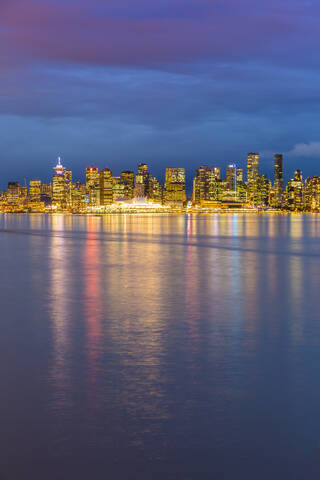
231 176
278 180
35 190
252 176
93 185
106 187
252 167
175 185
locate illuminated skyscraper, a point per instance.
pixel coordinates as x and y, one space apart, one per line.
252 175
206 184
278 180
127 179
312 194
231 176
106 187
175 186
239 175
93 185
35 190
252 167
92 176
13 193
295 192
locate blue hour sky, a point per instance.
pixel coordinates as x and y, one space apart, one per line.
166 82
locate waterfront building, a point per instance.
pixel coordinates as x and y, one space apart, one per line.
35 190
252 167
175 186
239 175
312 194
252 176
231 176
127 179
205 184
106 187
93 186
295 193
13 193
278 187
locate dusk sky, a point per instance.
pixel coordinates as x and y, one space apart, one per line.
166 82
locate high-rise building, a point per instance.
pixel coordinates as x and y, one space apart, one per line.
106 187
205 184
231 176
35 190
312 194
13 193
93 185
175 186
252 176
92 176
127 179
294 194
239 175
278 181
252 167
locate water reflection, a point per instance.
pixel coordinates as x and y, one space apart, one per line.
170 334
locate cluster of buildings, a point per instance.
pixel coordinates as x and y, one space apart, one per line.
104 192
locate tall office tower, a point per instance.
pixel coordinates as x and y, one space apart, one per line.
59 190
239 175
35 190
68 180
142 181
156 191
312 194
252 167
294 194
231 176
175 186
127 179
278 180
93 185
92 176
13 193
261 191
252 176
106 187
200 185
205 184
79 193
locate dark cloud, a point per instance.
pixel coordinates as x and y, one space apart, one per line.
187 82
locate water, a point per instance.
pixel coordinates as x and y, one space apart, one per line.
159 347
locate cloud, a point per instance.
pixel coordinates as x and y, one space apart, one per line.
142 33
311 150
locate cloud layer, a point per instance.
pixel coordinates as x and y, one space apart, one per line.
193 81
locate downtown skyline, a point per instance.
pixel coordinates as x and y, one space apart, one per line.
213 190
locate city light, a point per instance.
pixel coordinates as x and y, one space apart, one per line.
106 193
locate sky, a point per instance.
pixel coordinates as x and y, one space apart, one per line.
166 82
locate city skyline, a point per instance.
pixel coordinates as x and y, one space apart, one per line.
266 163
213 190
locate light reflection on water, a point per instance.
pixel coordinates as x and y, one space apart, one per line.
160 346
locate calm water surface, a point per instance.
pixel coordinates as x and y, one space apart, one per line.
160 347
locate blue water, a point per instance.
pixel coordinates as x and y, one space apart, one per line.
160 347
